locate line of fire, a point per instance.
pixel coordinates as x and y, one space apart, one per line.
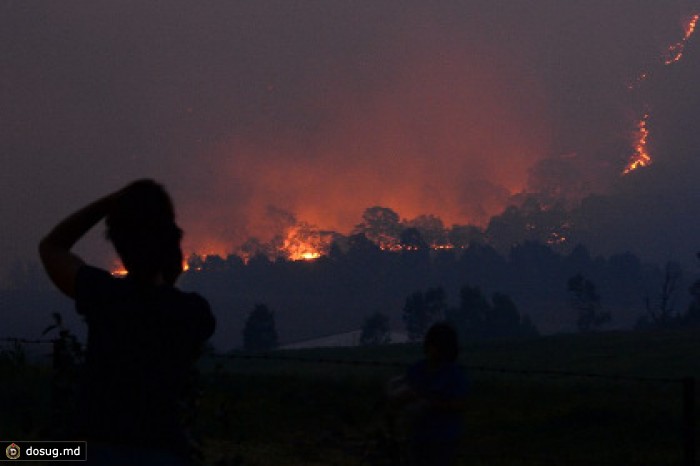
640 156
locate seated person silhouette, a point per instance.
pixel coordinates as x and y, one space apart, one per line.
427 402
144 335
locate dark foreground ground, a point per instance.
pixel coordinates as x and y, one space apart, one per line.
528 405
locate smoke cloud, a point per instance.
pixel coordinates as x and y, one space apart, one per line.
325 108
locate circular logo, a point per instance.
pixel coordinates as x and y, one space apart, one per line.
12 451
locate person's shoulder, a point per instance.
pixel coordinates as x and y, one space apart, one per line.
93 285
190 300
195 309
91 273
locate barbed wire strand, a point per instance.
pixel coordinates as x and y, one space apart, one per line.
543 460
400 364
475 368
25 340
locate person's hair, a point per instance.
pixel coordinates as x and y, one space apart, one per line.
141 226
443 338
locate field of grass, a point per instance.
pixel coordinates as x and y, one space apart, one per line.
291 412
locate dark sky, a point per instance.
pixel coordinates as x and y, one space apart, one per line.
323 108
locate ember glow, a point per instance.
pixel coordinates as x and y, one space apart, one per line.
640 79
641 157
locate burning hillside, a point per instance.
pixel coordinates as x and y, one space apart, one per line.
641 157
442 135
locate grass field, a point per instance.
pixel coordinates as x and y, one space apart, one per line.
291 412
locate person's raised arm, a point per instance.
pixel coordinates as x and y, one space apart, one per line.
60 263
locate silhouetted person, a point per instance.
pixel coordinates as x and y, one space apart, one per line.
144 335
429 401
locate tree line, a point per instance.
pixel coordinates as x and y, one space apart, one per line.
339 291
477 318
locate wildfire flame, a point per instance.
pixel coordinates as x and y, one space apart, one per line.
675 51
118 269
304 243
641 157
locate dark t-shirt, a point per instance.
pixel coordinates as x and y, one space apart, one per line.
141 349
447 382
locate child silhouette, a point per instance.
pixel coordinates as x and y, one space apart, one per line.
428 401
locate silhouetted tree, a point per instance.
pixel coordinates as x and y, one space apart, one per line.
214 263
195 263
414 316
586 301
336 251
579 260
468 319
660 311
259 333
375 330
431 229
254 247
504 320
503 313
360 245
534 259
692 316
481 263
259 262
380 225
436 304
461 236
411 239
507 229
476 318
421 310
473 306
528 327
665 310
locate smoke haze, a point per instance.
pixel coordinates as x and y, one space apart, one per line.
324 108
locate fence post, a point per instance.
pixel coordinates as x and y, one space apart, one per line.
689 420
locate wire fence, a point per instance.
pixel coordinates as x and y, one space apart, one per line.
277 356
266 356
27 341
686 394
